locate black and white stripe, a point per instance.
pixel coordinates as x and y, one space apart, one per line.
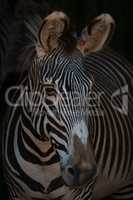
112 123
30 157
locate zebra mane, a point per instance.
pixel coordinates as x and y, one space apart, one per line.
69 41
29 38
32 25
22 43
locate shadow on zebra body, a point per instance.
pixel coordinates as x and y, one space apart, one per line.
67 170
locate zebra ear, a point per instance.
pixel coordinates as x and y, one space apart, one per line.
97 34
51 30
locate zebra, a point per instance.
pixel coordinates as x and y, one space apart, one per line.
53 147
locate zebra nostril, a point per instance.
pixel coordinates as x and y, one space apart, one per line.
71 171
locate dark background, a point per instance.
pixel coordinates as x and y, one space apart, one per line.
82 12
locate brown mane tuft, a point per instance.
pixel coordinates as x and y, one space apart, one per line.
68 40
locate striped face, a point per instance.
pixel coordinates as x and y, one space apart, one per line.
66 91
65 87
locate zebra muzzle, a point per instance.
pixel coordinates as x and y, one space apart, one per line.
77 175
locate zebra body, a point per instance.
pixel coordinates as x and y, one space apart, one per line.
36 139
112 123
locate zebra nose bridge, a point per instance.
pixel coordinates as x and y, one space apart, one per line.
79 141
77 168
80 133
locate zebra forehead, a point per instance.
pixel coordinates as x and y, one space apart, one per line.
69 82
64 69
64 76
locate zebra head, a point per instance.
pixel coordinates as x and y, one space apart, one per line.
63 77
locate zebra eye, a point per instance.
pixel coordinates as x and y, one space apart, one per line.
50 92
